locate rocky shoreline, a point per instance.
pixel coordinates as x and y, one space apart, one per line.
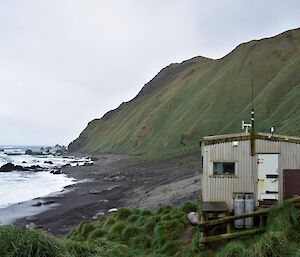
114 181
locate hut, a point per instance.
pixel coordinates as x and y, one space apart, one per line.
266 165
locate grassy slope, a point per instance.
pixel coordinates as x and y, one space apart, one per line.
201 97
162 233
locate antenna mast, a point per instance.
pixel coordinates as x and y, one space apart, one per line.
252 135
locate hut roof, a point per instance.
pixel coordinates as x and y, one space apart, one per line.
217 139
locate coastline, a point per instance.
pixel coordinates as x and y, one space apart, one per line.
114 181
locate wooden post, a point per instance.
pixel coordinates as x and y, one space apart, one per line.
230 236
261 221
228 228
201 246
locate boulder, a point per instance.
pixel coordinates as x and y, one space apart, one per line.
8 167
20 168
28 152
48 162
36 168
88 164
31 226
55 172
48 202
37 204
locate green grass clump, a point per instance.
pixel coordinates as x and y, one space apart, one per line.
173 228
274 244
166 217
158 241
283 217
164 209
146 213
281 237
133 218
97 233
150 225
86 228
101 221
115 231
141 241
130 231
188 207
141 221
171 248
18 242
122 214
233 249
80 249
108 223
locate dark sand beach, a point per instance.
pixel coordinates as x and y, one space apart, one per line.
114 181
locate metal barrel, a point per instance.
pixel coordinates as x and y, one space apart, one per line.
239 208
249 207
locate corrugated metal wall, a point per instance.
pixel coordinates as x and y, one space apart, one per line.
221 188
289 157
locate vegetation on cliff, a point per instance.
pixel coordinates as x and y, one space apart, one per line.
201 96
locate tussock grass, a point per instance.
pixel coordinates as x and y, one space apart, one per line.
130 231
171 247
116 230
122 214
281 237
97 233
80 249
17 242
133 218
233 249
157 235
189 207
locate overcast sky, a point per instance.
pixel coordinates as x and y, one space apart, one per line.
64 63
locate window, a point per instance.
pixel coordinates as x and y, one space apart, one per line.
224 168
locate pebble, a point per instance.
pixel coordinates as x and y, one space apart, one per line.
103 201
95 192
31 226
32 218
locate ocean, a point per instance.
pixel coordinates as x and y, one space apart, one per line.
21 186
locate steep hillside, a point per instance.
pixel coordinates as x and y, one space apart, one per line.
201 96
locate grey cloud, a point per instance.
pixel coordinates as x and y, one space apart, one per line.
66 62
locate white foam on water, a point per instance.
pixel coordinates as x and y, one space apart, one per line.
22 186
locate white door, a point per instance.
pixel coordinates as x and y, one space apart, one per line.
267 177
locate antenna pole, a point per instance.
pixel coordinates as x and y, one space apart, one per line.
252 135
252 89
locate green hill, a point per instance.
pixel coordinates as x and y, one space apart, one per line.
201 96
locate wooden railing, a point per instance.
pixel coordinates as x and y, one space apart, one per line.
227 220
